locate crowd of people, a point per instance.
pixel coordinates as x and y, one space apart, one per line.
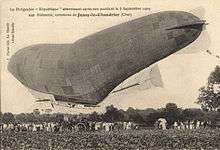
75 126
68 126
161 123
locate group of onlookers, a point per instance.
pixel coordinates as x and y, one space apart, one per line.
70 126
97 126
195 124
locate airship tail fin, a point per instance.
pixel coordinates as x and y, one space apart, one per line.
154 80
143 80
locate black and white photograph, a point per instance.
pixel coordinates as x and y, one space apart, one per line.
110 75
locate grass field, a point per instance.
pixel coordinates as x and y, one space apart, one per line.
133 139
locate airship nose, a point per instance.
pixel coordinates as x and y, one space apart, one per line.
188 28
15 65
186 20
12 65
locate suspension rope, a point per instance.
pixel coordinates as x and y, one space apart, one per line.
211 54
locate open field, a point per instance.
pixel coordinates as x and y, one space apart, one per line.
130 139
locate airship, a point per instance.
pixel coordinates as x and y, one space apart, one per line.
88 70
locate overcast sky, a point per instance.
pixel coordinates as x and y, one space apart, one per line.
182 74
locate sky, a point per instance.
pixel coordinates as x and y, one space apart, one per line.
182 74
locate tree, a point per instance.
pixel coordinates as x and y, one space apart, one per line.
198 114
215 76
172 113
94 117
134 115
149 116
152 118
209 98
123 116
112 114
1 117
59 118
213 117
21 118
191 114
8 118
31 118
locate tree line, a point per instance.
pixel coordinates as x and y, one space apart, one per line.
146 117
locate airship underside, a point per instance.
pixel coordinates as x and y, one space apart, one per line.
88 70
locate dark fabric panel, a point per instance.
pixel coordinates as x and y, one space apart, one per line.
60 64
156 25
180 39
170 35
68 90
